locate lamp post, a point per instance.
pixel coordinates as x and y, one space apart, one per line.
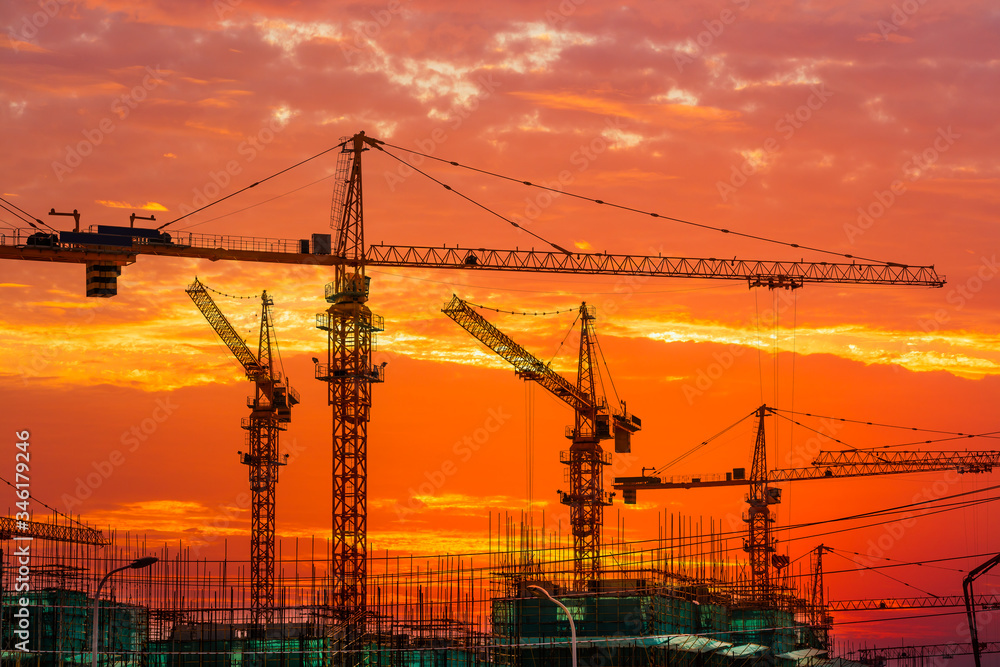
137 564
540 592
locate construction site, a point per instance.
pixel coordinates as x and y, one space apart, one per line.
577 593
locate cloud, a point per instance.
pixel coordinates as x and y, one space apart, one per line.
148 206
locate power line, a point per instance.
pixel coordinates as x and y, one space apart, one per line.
878 571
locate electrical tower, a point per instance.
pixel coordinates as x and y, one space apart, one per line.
270 412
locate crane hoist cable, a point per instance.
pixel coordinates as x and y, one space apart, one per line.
30 219
600 350
260 203
474 202
869 423
694 449
989 434
760 355
572 327
253 185
632 209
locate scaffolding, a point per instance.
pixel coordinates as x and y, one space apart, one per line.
678 599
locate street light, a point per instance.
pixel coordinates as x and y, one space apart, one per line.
137 564
540 592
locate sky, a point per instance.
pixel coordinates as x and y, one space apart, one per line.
861 128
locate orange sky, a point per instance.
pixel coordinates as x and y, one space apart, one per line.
858 127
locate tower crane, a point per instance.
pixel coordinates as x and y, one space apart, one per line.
107 249
759 544
594 421
20 529
40 530
270 411
351 329
819 616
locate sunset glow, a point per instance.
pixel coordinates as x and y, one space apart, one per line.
858 128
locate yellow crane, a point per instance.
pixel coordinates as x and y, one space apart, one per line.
594 421
759 544
270 411
351 326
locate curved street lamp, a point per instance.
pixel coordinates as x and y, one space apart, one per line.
540 592
137 564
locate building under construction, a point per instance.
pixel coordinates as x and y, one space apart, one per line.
532 598
680 599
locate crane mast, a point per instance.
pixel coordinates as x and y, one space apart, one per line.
819 618
759 544
585 463
270 412
351 329
592 423
348 371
